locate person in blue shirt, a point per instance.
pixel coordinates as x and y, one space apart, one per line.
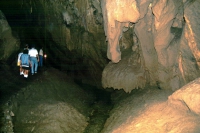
18 62
25 62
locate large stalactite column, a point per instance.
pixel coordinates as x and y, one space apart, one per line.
165 11
143 30
117 14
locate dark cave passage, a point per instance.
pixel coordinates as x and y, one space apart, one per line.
30 28
100 106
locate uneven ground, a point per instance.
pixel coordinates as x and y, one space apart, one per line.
47 101
52 102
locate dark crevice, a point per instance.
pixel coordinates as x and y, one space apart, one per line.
101 107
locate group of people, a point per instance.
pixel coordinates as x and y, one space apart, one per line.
29 59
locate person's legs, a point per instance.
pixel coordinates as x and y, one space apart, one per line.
21 70
36 65
32 65
41 60
39 63
25 72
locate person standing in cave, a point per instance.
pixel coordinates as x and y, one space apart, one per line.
41 57
25 63
34 59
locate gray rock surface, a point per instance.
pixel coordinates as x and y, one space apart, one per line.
52 103
8 43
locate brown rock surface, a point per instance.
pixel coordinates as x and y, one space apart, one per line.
166 36
152 111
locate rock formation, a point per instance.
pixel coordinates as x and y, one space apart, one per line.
155 41
157 111
45 107
166 33
148 48
8 43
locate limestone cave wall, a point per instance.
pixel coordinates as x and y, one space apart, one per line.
166 37
148 42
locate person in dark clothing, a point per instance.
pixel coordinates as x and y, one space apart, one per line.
41 57
25 62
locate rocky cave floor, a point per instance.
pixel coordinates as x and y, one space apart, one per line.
13 85
51 101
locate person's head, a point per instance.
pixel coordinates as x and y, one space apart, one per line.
33 45
25 51
26 46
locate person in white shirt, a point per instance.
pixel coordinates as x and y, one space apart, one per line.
41 57
34 59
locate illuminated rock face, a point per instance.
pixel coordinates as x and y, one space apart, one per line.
187 98
162 33
117 14
160 111
166 33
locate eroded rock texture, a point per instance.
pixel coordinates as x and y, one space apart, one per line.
50 104
148 42
166 35
160 111
8 43
155 41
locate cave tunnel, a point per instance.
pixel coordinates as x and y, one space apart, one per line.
28 24
110 67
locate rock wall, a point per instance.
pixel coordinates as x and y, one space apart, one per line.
8 43
166 38
159 37
77 28
157 111
71 33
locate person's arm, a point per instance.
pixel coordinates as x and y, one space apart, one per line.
29 60
37 57
36 52
20 61
30 63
